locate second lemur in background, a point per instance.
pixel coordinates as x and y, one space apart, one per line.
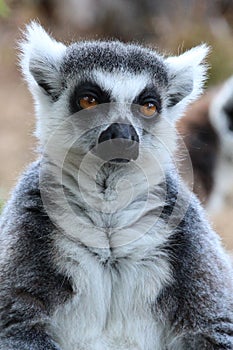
207 129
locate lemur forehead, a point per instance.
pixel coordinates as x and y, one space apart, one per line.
114 56
121 87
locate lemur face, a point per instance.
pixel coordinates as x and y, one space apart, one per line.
119 110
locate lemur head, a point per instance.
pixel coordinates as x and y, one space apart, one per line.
140 89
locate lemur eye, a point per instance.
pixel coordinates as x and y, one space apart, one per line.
87 102
149 109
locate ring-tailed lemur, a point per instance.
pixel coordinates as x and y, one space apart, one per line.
207 128
221 117
102 245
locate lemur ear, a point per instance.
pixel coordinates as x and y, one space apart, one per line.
186 76
40 61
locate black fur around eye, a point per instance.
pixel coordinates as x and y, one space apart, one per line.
149 97
87 90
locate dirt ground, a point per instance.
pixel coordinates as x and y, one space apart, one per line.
17 143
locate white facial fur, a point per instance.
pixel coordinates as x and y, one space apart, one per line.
123 87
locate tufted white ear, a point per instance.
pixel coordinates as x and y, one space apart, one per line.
40 61
186 75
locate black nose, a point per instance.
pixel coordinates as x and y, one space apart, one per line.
122 145
119 131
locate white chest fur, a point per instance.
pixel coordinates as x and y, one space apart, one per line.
113 294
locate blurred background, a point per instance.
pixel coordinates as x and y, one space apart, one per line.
173 26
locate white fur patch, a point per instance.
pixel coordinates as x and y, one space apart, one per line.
123 86
111 309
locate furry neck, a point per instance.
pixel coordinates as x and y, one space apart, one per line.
105 206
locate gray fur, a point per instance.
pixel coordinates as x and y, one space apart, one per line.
90 278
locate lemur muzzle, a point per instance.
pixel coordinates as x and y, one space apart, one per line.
118 143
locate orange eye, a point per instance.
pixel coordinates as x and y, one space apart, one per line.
148 109
87 102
